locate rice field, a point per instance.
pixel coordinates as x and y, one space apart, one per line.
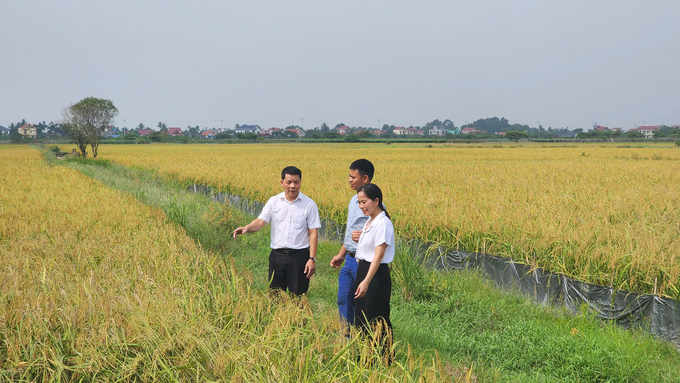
97 286
605 214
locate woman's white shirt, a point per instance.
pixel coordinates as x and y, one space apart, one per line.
375 233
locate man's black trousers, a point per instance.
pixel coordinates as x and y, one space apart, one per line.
287 270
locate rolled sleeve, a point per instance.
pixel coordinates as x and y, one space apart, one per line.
380 236
266 214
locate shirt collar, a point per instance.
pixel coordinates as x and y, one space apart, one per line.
298 198
377 218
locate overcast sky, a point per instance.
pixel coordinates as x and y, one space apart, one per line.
274 63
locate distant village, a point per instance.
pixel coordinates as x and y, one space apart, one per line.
489 128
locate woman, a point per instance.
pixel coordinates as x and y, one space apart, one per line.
375 251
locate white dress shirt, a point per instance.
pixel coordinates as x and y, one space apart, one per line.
379 231
290 221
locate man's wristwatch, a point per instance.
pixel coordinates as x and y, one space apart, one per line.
313 259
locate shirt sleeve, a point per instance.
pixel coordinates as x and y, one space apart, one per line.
313 220
383 234
358 223
266 214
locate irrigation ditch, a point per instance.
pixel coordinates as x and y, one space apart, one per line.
659 316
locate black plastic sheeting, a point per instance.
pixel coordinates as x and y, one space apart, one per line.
657 315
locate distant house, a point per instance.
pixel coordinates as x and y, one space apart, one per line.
400 131
28 131
500 133
378 132
175 132
454 131
648 131
437 131
144 132
420 132
272 131
249 129
468 130
3 130
343 129
600 128
208 134
297 132
111 132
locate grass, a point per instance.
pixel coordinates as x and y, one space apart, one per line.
477 331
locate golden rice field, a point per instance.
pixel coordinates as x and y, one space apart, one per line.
601 213
97 286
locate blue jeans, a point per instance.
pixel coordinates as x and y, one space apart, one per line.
346 289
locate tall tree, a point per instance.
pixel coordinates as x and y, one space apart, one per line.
86 120
516 136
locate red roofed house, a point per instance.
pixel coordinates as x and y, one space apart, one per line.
420 132
207 134
297 132
400 130
468 130
648 131
601 128
144 132
175 132
28 130
344 129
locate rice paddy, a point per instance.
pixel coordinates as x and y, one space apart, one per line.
605 214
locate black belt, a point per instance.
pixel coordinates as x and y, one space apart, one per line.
365 261
351 254
289 252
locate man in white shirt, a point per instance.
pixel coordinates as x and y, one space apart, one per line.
295 227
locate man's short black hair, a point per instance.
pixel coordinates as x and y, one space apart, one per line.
364 167
292 170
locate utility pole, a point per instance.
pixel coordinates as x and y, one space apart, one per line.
303 123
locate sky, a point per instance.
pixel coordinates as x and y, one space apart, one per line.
563 64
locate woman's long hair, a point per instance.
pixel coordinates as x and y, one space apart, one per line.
372 191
